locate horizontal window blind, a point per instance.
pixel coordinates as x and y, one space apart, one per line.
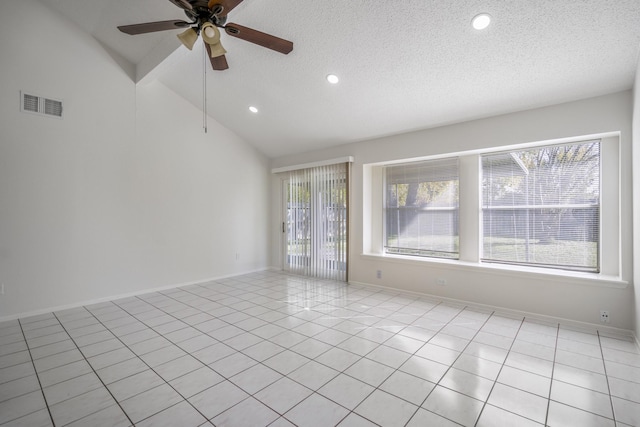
541 206
421 208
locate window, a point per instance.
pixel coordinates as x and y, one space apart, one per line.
547 209
421 209
541 206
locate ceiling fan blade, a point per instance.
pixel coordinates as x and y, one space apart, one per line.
218 63
182 4
227 5
259 38
150 27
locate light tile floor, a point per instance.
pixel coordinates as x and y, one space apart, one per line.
281 350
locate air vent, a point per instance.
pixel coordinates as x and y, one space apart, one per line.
31 103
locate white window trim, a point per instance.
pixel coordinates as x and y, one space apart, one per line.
470 213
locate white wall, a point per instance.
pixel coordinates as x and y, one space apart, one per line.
127 192
636 199
557 297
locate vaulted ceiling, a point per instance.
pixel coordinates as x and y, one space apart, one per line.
403 65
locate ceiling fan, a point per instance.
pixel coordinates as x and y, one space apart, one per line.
206 17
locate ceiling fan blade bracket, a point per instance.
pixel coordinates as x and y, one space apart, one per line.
183 4
216 9
232 31
223 7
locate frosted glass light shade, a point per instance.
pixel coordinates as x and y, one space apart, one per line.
188 38
210 33
211 36
217 50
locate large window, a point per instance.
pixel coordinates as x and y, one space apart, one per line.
421 209
541 206
550 209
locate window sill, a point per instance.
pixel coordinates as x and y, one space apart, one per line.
538 273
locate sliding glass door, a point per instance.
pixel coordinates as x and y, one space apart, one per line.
316 221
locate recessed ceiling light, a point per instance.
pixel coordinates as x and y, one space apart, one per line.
253 109
333 79
481 21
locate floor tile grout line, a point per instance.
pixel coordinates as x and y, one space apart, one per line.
343 372
44 345
435 304
378 345
96 374
584 388
267 339
177 344
325 303
204 333
166 382
456 359
13 366
313 391
252 395
553 368
261 363
486 402
450 366
412 354
606 376
37 376
201 311
20 395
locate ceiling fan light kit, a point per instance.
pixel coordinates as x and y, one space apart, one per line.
211 36
188 38
206 18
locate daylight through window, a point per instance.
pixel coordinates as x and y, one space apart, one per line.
421 209
541 206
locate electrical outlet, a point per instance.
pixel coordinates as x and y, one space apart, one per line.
604 316
379 274
441 281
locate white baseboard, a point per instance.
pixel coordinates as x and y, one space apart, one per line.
573 324
126 295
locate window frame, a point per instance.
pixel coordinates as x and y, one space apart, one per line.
456 209
528 206
470 207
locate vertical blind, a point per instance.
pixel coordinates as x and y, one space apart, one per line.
541 206
317 208
421 208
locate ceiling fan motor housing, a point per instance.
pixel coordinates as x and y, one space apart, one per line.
200 13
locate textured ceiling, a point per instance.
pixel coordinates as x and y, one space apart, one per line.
403 65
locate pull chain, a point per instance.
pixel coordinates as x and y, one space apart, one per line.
204 90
